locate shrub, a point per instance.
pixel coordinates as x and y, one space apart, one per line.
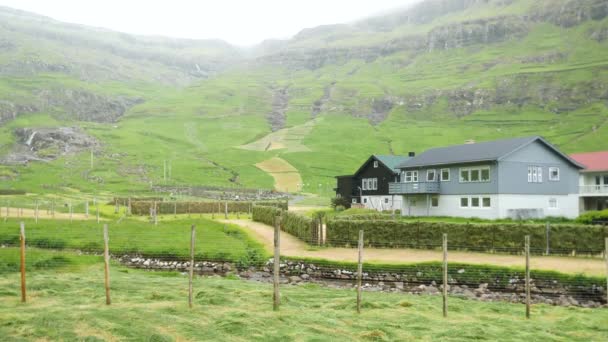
339 202
593 216
294 224
12 192
143 207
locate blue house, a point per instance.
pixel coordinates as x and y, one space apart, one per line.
512 178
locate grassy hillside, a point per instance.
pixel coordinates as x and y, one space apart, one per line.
439 73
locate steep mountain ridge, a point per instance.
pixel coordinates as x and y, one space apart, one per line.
437 73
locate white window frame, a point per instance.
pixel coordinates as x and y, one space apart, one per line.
468 202
482 203
472 198
375 164
386 200
413 176
535 174
364 200
469 173
364 184
354 200
437 199
551 178
441 175
428 173
374 183
553 200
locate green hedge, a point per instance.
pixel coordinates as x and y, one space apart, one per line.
12 192
593 216
508 237
143 207
294 224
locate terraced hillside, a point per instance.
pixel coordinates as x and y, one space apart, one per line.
441 72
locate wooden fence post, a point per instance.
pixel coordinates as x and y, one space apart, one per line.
548 237
53 209
97 206
129 209
22 240
106 257
226 210
70 206
36 212
527 250
192 239
86 209
175 209
445 275
360 271
276 299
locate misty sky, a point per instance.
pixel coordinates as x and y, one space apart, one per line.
239 22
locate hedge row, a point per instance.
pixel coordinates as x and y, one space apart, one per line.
302 227
143 207
125 200
12 192
508 237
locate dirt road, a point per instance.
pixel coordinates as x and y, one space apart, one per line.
293 247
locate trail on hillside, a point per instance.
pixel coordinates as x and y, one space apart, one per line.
293 247
286 177
289 139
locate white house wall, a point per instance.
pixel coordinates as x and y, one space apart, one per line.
379 203
449 205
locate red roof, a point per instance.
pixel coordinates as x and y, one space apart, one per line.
593 161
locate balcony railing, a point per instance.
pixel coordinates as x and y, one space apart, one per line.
594 189
413 188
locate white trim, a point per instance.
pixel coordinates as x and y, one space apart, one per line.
413 176
441 175
551 170
375 164
468 202
429 172
469 174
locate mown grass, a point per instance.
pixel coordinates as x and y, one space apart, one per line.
70 305
168 239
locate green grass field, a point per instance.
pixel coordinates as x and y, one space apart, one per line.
69 304
169 239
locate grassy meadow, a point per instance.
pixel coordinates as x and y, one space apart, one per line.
69 304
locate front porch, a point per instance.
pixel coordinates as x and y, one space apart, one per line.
591 203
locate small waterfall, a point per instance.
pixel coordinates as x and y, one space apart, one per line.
31 138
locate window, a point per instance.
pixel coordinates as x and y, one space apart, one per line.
552 203
386 200
434 201
445 175
375 164
354 200
464 202
411 176
486 202
535 174
464 176
369 184
554 173
475 174
485 175
430 175
365 200
475 202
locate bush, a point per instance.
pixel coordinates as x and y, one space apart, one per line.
339 202
593 216
506 237
12 192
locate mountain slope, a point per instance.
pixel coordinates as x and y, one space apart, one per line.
438 73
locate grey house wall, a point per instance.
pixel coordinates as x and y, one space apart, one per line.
513 172
455 187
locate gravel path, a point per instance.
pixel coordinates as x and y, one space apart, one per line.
293 247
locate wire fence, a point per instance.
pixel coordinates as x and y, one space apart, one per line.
206 247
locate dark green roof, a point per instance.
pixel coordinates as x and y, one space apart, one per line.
392 161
